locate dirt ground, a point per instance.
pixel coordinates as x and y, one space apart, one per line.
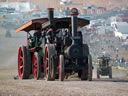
118 86
102 87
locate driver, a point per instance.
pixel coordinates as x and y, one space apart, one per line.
36 41
50 35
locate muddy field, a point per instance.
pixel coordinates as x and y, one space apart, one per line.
118 86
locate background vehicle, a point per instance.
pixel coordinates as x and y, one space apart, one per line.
104 68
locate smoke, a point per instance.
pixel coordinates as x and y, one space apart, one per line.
9 52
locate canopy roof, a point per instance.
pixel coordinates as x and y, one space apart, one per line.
44 23
65 22
32 25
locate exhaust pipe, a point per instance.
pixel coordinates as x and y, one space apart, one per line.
74 14
50 14
74 51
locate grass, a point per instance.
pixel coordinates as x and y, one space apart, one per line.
121 70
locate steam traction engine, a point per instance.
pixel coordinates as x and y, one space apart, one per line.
104 68
67 54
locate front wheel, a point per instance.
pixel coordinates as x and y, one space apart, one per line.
36 66
90 67
110 72
61 68
98 73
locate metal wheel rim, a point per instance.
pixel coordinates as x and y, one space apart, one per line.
20 62
46 61
61 71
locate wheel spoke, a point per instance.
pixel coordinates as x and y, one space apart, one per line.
21 67
35 60
47 59
35 66
35 71
46 62
47 69
21 57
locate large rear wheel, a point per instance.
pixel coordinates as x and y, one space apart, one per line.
49 63
61 68
83 75
24 66
36 66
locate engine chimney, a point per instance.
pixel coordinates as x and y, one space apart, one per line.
50 14
74 51
74 14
